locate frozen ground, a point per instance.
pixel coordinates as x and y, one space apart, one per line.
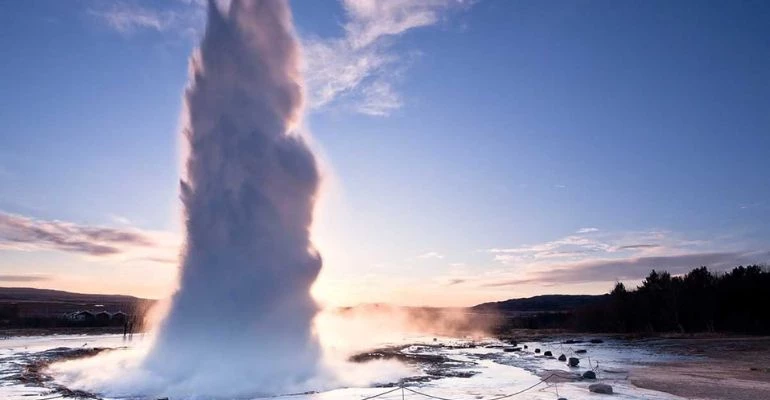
495 372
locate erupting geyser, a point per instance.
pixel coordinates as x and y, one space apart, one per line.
241 320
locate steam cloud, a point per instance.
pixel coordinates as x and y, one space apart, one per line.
240 323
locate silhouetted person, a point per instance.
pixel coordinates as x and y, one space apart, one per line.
131 330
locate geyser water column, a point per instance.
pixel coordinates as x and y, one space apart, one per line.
240 322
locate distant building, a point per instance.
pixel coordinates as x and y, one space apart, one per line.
119 318
81 316
102 316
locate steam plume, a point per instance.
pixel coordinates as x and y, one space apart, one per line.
241 321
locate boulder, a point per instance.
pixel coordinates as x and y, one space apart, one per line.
602 388
511 349
562 358
526 347
537 350
589 375
581 351
573 361
548 354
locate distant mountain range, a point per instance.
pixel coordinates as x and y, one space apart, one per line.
46 303
544 303
47 295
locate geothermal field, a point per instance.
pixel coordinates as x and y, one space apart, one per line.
241 322
443 367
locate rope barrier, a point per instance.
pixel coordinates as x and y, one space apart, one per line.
426 395
403 388
531 387
556 387
383 393
570 351
446 398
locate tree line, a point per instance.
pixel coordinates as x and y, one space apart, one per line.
699 301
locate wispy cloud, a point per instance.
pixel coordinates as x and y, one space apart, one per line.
120 219
162 260
593 256
633 268
23 233
358 70
431 254
19 232
362 65
378 99
24 278
567 247
746 206
587 230
638 246
183 18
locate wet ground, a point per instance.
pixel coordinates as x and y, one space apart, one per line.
446 368
736 368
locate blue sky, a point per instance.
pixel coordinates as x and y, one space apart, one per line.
475 150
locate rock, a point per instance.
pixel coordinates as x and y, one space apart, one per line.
581 351
589 375
574 361
537 350
448 373
562 358
562 398
548 354
511 349
526 347
596 341
390 353
572 341
602 388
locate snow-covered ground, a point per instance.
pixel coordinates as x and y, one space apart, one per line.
498 373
